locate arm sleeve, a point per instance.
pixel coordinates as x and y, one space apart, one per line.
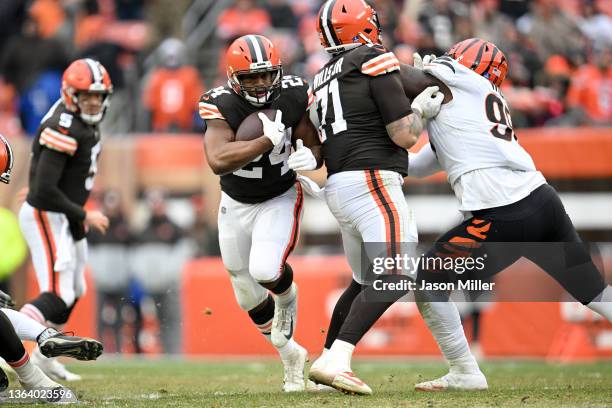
423 163
207 109
49 172
389 96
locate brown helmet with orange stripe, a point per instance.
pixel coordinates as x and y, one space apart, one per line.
254 69
6 160
482 57
346 24
86 76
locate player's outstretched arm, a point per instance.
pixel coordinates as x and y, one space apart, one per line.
423 163
225 155
415 81
308 133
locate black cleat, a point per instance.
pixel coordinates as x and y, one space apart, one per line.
81 348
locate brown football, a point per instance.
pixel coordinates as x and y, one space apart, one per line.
251 127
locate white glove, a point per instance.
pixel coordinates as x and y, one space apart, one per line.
427 104
419 62
275 131
302 159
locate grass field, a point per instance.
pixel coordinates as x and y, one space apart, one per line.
251 383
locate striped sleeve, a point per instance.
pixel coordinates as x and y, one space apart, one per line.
310 98
381 64
209 111
57 141
446 70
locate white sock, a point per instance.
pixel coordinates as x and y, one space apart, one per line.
24 368
340 355
287 296
286 350
444 323
25 327
603 303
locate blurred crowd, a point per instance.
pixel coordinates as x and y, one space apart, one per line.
162 55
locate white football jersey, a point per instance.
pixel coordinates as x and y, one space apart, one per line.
474 142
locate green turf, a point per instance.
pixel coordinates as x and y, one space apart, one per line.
167 383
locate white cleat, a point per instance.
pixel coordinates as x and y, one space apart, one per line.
294 370
52 367
344 381
284 322
311 386
455 382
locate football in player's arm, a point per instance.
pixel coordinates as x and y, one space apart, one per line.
225 154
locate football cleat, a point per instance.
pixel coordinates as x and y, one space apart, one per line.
37 380
311 386
284 322
345 381
294 370
455 382
81 348
53 368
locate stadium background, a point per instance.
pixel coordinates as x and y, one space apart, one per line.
162 54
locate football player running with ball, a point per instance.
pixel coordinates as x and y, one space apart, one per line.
367 123
53 219
261 200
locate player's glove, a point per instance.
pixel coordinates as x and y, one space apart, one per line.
275 131
302 159
6 301
419 62
427 104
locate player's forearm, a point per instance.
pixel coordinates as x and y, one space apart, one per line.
423 163
48 175
235 155
59 202
405 131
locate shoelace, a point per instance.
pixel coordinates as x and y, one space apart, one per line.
66 334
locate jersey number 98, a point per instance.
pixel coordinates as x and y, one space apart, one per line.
498 113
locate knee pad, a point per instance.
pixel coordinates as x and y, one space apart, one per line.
282 283
264 269
248 293
53 308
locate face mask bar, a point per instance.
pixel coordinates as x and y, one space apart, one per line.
250 93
